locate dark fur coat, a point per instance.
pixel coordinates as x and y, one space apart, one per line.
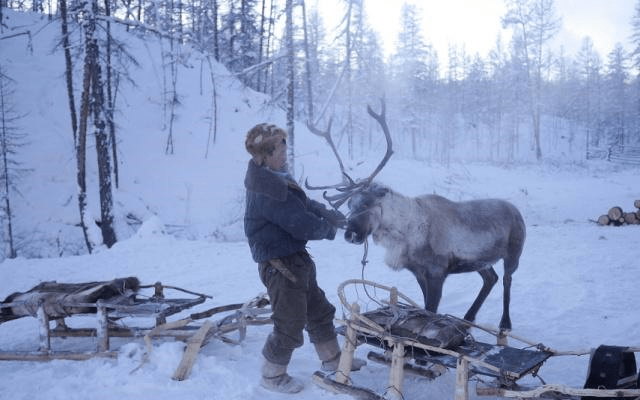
279 217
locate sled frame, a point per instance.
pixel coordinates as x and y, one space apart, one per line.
156 306
399 350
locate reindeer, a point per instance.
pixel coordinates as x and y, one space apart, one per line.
430 235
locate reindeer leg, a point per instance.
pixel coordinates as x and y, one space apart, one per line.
431 286
509 269
505 321
510 266
434 292
489 278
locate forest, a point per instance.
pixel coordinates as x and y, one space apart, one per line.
485 107
520 103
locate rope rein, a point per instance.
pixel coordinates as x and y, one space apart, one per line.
364 263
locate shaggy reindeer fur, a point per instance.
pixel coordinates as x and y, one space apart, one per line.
433 237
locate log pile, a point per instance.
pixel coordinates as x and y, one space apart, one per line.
616 216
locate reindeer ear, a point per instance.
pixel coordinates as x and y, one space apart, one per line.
379 190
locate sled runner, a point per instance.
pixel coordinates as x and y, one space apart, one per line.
427 344
119 307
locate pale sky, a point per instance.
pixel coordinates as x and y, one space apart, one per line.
476 23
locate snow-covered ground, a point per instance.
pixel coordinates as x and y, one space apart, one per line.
577 286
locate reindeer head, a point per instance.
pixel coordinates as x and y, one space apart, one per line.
365 213
361 194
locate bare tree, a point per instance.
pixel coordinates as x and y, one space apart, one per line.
290 85
347 69
110 100
307 64
93 104
104 161
64 24
635 57
213 118
11 139
81 143
171 94
635 36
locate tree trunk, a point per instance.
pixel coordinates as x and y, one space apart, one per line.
81 144
102 149
111 100
216 51
348 75
6 178
173 102
213 121
261 45
69 68
310 116
267 50
290 86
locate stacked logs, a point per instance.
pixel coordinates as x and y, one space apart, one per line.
616 216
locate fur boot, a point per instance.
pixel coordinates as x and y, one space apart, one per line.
329 353
276 379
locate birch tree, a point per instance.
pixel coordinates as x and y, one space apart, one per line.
81 143
93 105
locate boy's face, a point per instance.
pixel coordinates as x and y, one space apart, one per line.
277 161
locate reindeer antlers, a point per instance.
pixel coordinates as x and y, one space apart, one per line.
348 187
382 120
327 137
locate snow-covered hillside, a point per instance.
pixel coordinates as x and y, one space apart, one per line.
194 191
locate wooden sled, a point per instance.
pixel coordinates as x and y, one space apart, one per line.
253 312
112 301
427 344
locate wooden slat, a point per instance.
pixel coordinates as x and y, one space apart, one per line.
193 347
54 355
346 358
549 388
462 379
340 388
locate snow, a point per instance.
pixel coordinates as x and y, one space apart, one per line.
576 288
